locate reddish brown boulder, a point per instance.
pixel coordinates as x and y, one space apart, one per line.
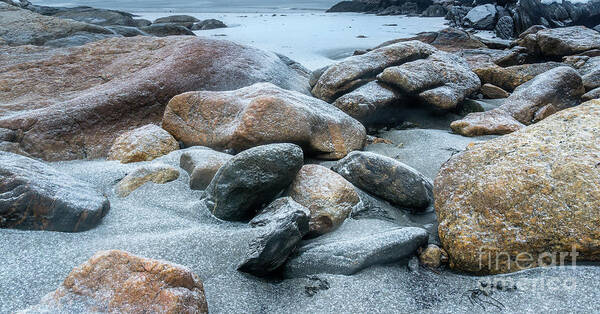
71 104
262 114
118 282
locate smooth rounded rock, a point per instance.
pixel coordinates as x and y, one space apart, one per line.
142 144
156 173
202 164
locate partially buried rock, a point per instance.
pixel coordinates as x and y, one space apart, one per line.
355 71
358 244
493 91
442 79
208 24
533 101
519 200
142 144
328 196
119 282
433 256
284 223
156 173
202 164
260 114
35 196
387 178
252 179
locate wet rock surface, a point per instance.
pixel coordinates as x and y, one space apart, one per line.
284 223
117 281
328 196
35 196
142 144
252 179
356 245
537 185
387 178
262 114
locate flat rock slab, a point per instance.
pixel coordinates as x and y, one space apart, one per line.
72 104
357 245
35 196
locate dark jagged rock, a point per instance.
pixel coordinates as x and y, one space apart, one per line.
127 31
284 223
482 17
435 10
251 179
208 24
96 16
35 196
505 28
186 21
387 178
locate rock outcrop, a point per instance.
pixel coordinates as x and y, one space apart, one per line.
558 42
35 196
72 104
531 102
119 282
512 77
387 178
262 114
482 17
516 201
328 196
284 223
142 144
251 180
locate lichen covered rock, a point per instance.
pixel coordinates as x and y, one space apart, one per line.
142 144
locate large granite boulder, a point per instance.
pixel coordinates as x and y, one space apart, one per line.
72 104
35 196
442 79
512 77
448 39
558 42
251 180
284 223
156 173
142 144
482 17
328 196
23 27
119 282
387 178
531 102
524 197
355 71
202 164
260 114
358 244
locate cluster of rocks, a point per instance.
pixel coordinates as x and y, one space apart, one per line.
506 18
66 27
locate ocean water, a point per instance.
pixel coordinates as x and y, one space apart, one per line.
199 6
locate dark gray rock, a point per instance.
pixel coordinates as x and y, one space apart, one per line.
76 40
316 75
251 179
505 27
183 20
127 31
35 196
351 6
142 22
202 163
8 135
456 15
284 223
387 178
482 17
96 16
597 28
356 245
208 24
593 94
435 10
167 29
